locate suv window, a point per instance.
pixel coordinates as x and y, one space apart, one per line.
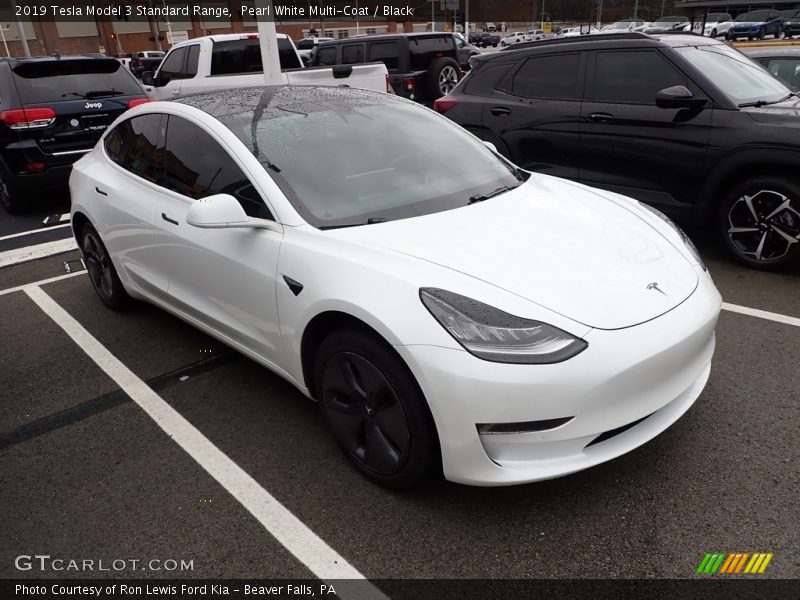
632 76
48 81
244 56
352 54
133 145
195 165
553 77
172 67
385 52
326 56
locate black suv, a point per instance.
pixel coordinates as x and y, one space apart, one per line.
52 111
682 122
422 66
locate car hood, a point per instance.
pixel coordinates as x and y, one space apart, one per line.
747 24
785 113
564 246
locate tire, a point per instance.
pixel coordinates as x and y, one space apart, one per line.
102 273
760 35
758 218
9 196
442 76
503 44
713 34
375 410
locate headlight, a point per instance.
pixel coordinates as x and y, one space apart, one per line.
497 336
687 242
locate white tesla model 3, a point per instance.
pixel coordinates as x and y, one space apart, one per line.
449 311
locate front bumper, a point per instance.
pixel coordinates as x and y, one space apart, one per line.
652 372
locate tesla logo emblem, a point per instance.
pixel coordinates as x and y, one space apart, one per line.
94 105
654 286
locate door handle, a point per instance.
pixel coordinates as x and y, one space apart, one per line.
168 220
99 191
500 111
600 117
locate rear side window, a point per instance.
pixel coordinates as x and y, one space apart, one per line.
326 56
352 54
385 52
238 57
482 82
633 77
196 166
133 145
548 77
65 79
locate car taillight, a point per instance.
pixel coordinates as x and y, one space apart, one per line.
138 101
409 83
442 105
28 118
389 88
249 36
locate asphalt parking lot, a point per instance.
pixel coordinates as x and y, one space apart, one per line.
88 473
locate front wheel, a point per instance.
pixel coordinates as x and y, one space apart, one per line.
9 196
759 222
713 33
375 410
102 273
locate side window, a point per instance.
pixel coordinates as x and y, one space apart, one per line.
786 69
633 77
133 145
459 42
484 81
550 77
191 62
352 54
385 52
326 56
172 67
195 165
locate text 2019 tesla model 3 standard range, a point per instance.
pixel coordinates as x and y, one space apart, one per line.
463 316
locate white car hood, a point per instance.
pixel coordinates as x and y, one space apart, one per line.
563 246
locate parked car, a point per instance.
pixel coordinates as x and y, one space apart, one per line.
52 111
756 25
514 38
624 26
449 316
306 46
227 61
669 23
145 61
465 51
536 34
782 61
791 22
717 25
685 123
576 31
486 39
421 66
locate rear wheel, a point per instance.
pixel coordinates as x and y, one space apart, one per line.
375 409
102 273
9 196
442 76
713 33
759 222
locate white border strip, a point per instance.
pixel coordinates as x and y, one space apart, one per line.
287 529
761 314
33 231
18 255
25 286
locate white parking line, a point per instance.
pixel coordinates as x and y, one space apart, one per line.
18 255
761 314
21 288
23 233
287 529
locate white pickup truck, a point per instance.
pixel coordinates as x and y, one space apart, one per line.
216 62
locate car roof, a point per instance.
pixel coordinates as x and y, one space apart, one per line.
601 40
226 37
282 100
13 61
389 36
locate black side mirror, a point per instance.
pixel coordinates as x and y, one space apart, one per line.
147 78
678 96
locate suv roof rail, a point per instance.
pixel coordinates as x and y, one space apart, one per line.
629 35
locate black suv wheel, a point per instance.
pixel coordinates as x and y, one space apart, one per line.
443 75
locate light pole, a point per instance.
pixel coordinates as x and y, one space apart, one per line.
543 15
636 10
599 12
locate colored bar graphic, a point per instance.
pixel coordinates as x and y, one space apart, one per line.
733 563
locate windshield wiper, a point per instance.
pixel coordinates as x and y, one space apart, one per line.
760 103
492 194
370 221
99 93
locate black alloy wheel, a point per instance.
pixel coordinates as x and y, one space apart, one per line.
375 410
100 269
760 223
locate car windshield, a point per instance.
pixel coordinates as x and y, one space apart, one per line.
665 20
357 157
753 17
739 77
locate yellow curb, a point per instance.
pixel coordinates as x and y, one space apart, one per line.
761 44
